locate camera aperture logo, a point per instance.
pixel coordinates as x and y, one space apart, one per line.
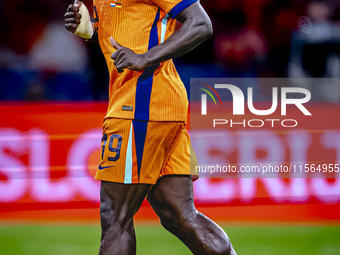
239 105
204 97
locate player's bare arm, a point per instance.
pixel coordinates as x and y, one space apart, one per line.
196 27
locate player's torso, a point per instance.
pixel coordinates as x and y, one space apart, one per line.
128 21
139 25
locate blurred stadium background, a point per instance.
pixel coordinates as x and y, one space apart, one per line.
53 92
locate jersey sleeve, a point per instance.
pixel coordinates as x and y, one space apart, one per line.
173 7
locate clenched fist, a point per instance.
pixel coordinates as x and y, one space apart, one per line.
77 20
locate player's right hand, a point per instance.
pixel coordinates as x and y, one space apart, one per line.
72 16
125 58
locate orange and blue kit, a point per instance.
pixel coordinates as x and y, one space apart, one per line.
148 109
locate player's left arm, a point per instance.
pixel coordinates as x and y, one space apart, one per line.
196 27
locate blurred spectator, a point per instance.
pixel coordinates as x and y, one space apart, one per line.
279 18
58 51
315 52
61 59
237 47
39 58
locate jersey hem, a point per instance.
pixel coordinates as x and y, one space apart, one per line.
151 118
193 177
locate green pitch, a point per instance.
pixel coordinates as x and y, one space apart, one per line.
154 240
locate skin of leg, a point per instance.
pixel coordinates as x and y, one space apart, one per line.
118 204
172 199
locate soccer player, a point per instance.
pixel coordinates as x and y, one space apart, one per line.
145 146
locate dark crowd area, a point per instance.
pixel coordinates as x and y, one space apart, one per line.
41 60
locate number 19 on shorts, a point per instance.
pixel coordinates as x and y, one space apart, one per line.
114 139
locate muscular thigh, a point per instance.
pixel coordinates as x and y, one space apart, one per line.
172 198
121 201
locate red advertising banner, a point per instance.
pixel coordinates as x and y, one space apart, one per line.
49 154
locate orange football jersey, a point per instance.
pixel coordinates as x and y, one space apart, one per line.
157 93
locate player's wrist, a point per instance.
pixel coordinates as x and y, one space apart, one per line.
94 38
145 60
